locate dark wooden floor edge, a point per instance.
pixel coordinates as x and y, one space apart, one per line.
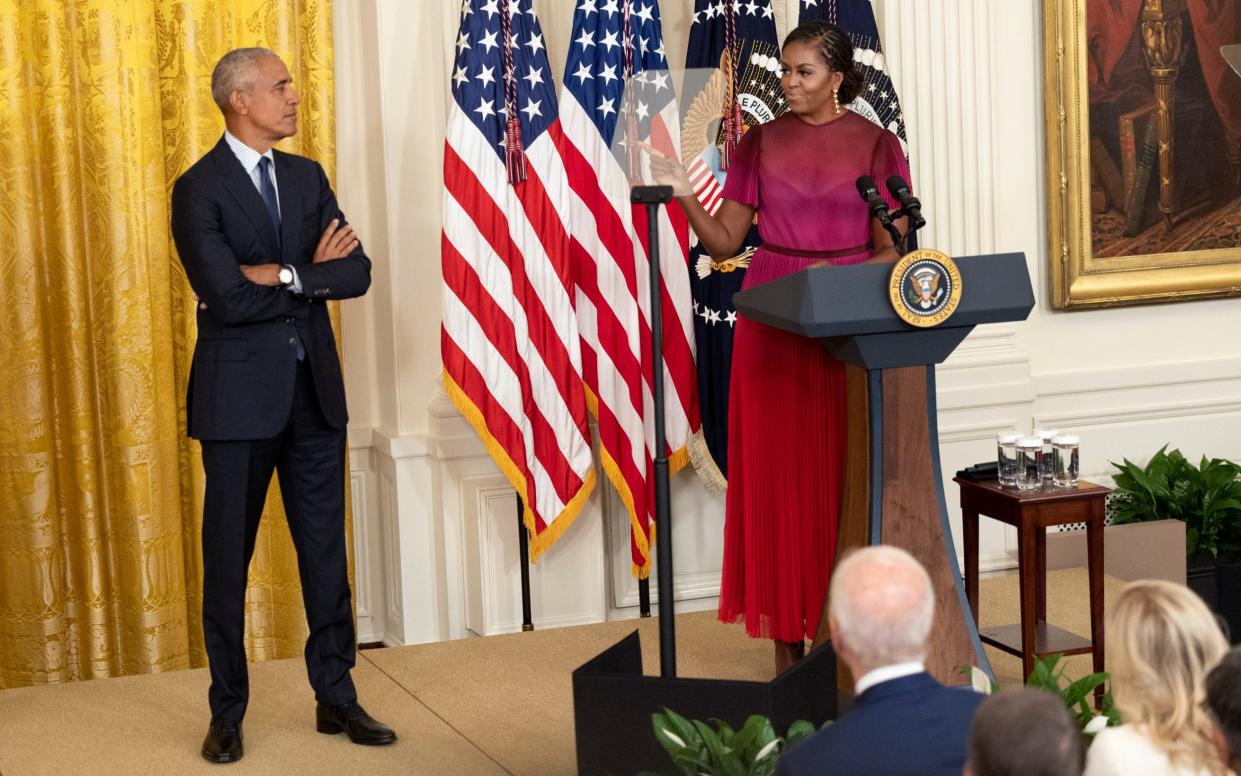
433 712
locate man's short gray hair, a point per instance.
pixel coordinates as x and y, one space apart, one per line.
883 603
235 72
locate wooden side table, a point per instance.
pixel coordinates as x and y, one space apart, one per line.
1032 512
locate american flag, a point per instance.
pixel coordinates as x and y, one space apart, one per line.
509 343
617 90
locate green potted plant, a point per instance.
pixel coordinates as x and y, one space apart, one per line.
1207 499
697 749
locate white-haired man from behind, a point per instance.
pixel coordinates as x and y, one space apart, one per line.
880 608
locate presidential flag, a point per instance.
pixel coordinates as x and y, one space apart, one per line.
732 82
616 94
509 343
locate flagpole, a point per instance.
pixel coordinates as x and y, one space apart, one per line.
523 551
652 197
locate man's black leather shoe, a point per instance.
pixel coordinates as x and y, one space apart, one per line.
351 719
223 742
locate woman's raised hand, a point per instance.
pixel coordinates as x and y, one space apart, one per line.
668 171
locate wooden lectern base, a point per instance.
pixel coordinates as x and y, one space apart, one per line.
894 495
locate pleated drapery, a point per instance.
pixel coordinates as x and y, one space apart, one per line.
103 103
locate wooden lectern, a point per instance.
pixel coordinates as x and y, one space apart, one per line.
893 488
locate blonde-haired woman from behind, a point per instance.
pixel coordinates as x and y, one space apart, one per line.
1161 643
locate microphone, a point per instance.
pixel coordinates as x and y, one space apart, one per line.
878 208
910 205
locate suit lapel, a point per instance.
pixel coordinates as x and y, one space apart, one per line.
241 187
290 207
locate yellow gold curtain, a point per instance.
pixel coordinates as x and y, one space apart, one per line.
103 103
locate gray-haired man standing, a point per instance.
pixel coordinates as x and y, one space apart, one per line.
265 246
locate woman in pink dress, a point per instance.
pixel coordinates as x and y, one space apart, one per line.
786 432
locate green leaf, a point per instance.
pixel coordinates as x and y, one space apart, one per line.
725 732
719 757
1077 691
683 727
743 739
1043 675
797 731
764 734
769 751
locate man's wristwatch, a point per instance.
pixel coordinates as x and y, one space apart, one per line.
285 276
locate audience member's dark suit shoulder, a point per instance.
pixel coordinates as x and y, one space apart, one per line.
912 725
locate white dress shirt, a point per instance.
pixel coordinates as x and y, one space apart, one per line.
249 159
886 674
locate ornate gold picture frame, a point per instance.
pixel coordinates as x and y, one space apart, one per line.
1144 206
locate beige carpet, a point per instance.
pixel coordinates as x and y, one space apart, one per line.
478 706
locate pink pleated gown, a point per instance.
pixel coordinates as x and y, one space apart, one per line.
786 428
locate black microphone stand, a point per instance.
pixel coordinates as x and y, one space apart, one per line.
898 240
910 207
652 197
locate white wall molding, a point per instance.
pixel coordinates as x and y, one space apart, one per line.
973 432
1199 373
1162 411
685 587
413 540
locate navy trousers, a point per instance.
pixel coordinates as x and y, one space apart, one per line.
309 458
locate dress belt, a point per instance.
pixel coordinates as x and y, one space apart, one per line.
816 254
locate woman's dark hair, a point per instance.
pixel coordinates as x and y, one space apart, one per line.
837 51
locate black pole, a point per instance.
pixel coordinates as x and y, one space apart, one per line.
653 197
523 545
644 597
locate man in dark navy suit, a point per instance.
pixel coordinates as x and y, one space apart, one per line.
265 247
880 609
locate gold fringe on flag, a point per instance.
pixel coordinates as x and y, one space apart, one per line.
539 542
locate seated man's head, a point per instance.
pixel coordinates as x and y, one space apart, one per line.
1224 702
880 609
1025 732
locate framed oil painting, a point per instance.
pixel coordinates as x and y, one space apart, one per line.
1143 118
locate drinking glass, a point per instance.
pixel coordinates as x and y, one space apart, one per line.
1006 458
1065 451
1029 463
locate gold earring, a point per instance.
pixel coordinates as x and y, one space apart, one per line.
836 100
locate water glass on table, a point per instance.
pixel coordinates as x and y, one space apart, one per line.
1046 434
1006 458
1029 463
1065 454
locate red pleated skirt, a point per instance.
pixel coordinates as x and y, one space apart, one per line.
786 453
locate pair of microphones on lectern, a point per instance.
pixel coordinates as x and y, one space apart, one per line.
899 189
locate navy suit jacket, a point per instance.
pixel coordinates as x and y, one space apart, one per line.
911 725
242 376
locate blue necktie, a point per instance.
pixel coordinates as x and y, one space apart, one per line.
268 190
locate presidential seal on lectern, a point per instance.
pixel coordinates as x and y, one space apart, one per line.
925 288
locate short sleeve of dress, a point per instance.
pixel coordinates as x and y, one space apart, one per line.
741 183
887 159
